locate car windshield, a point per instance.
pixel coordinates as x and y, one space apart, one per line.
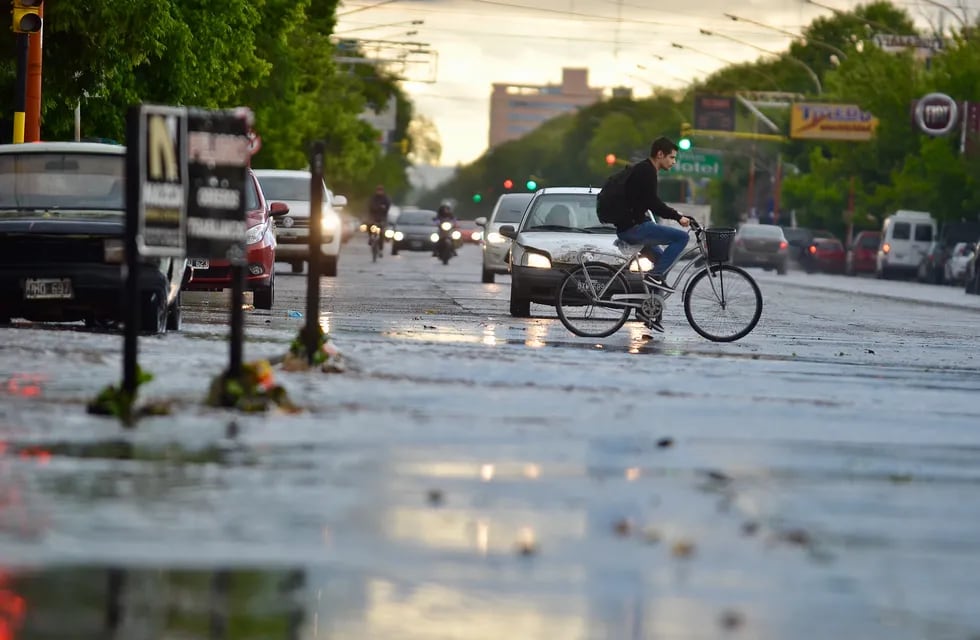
797 235
829 245
565 212
511 207
79 181
869 242
295 188
761 231
417 217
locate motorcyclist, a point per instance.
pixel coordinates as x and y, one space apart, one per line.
444 214
378 208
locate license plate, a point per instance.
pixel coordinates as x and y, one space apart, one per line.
199 263
415 244
48 289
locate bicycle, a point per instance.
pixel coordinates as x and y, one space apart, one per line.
375 241
594 299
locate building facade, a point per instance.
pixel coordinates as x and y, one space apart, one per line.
517 109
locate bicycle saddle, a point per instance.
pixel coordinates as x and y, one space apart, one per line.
626 247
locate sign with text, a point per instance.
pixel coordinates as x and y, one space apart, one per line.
218 154
714 113
819 121
924 46
695 164
936 114
161 163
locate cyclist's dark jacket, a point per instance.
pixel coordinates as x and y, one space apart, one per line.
378 208
641 196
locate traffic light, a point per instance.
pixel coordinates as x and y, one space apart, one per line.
477 197
27 16
685 143
531 185
508 184
610 159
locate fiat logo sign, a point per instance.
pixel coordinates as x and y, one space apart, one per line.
936 114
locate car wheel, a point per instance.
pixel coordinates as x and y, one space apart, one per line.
263 296
329 266
488 277
175 315
154 313
519 307
781 269
297 267
394 250
973 284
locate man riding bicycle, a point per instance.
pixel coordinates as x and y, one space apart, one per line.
378 209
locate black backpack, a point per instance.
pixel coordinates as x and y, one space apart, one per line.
611 204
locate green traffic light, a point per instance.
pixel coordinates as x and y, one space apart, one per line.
684 144
531 185
477 197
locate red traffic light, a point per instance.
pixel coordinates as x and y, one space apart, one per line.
508 184
610 158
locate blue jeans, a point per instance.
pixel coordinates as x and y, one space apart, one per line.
652 235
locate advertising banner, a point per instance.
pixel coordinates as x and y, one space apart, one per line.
714 113
819 121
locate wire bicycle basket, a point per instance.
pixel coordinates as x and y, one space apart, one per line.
719 243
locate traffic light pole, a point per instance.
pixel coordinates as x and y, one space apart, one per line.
32 125
20 91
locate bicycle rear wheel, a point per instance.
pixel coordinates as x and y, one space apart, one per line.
724 306
584 301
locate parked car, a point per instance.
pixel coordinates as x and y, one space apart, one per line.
961 256
826 255
496 248
293 229
799 238
972 275
559 222
905 238
260 251
761 245
62 216
863 253
932 266
413 230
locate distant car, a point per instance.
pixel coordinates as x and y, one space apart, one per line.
559 222
863 253
293 229
932 266
412 231
799 239
471 232
972 275
496 248
761 245
260 251
961 256
62 215
826 255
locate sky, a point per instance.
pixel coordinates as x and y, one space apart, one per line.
475 43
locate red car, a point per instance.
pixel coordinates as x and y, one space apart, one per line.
260 251
827 255
862 256
470 231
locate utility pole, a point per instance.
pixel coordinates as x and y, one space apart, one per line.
27 21
32 127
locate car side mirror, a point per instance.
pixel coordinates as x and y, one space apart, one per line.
339 201
278 209
481 221
508 231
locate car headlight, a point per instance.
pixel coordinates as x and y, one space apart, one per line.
495 238
536 260
644 265
477 236
398 235
434 237
254 234
446 226
363 227
457 235
329 224
390 233
375 228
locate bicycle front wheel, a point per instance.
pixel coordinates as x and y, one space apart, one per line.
585 301
723 306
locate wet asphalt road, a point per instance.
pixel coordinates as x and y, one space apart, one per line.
472 475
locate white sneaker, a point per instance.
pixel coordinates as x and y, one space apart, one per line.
658 282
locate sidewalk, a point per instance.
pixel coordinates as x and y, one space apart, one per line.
932 294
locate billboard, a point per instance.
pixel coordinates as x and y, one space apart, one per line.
820 121
714 113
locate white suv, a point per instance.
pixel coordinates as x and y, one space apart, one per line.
293 229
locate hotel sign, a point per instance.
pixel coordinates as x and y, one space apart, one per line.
819 121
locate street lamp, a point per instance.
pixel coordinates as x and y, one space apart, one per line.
813 75
381 26
670 75
806 39
664 60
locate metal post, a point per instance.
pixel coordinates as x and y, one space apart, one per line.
131 301
237 322
311 331
20 91
32 109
